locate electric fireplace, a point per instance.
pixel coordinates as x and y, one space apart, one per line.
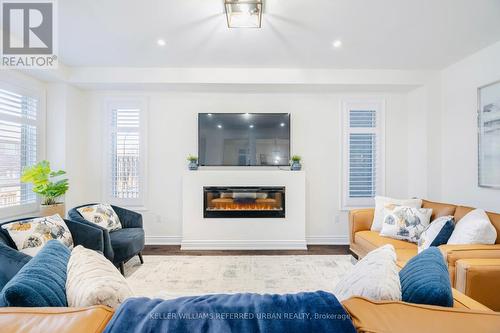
244 202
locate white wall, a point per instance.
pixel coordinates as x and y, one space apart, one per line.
424 140
67 138
459 129
316 135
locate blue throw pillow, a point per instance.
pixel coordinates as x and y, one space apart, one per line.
445 233
425 279
11 261
436 233
42 281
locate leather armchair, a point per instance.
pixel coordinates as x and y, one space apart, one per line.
120 245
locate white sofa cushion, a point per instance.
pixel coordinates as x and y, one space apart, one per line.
376 276
474 228
384 202
94 280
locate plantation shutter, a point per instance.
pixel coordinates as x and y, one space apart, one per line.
125 153
18 146
362 154
363 136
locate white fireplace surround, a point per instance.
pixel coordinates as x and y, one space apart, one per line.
286 233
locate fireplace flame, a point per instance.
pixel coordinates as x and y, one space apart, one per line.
243 206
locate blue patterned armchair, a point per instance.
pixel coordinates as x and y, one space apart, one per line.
120 245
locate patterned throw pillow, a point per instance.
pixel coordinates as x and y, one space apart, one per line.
31 235
381 203
437 233
405 223
101 214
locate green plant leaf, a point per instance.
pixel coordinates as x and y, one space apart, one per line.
57 173
41 176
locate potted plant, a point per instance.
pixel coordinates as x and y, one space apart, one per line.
193 162
295 163
46 185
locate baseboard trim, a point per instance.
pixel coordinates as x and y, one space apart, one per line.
310 240
327 240
163 240
243 245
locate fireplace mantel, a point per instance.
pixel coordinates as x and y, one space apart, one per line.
199 233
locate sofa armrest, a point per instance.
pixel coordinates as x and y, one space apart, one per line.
86 235
71 320
359 220
452 253
476 278
128 218
392 316
461 300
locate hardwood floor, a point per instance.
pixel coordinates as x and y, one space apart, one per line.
311 250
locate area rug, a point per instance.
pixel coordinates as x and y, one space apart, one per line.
174 276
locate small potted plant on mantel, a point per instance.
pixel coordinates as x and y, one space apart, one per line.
193 162
47 187
295 163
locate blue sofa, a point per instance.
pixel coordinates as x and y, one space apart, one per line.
12 260
120 245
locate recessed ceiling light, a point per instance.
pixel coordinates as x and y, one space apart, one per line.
219 126
243 14
282 124
251 126
337 43
161 42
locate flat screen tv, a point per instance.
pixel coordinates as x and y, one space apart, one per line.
243 139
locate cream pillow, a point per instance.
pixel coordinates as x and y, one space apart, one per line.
474 228
376 276
94 280
101 214
384 202
31 235
405 223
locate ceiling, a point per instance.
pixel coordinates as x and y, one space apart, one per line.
381 34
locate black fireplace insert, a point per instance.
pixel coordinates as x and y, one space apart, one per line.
244 202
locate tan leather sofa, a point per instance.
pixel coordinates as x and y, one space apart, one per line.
367 315
397 317
362 240
61 320
479 279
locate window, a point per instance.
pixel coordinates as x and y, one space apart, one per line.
19 147
363 153
126 158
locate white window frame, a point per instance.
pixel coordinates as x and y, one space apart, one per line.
28 88
362 104
138 204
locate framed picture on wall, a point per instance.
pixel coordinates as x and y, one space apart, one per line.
489 135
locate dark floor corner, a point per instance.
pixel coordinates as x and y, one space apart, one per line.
311 250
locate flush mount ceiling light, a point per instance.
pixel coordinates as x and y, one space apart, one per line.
243 13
